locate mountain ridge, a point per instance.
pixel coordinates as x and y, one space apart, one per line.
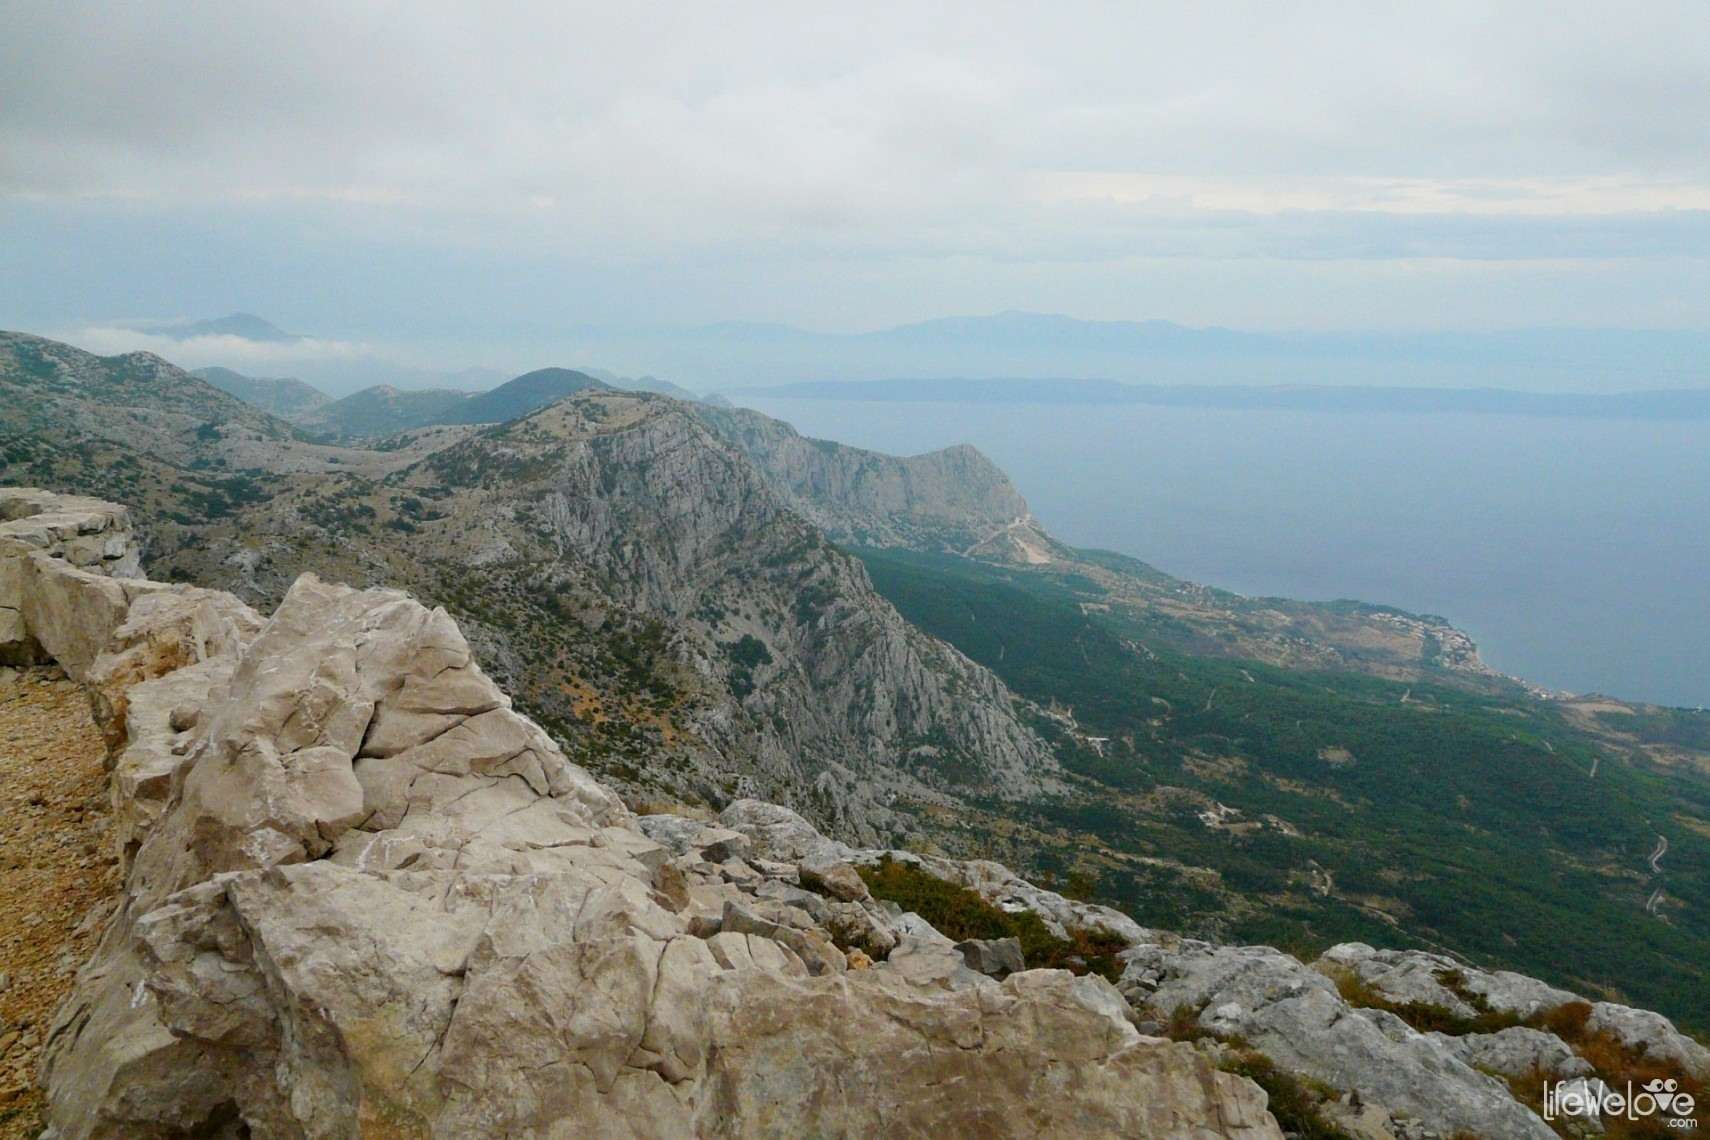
246 326
285 397
519 396
655 594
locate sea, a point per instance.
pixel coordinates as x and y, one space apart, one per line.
1575 551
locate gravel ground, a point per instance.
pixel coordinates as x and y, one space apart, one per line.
58 874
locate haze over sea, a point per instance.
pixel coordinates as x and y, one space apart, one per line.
1574 550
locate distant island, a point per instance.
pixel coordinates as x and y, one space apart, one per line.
1676 404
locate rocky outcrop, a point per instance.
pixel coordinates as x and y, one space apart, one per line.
840 706
52 548
70 593
1517 1053
949 500
1293 1015
1404 976
1415 976
370 898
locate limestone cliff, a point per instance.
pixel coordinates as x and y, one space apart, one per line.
956 501
949 500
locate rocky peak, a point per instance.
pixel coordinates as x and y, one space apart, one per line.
632 493
949 500
59 396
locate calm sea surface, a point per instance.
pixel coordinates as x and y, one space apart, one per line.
1576 551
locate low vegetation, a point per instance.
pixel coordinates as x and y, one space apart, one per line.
1427 1017
1616 1063
961 913
1297 1102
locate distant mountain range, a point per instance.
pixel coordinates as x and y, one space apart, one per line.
384 409
245 325
1023 344
518 397
643 384
1026 345
381 410
1692 403
283 396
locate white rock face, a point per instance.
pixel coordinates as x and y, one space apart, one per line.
366 897
62 561
1516 1052
1414 975
1293 1014
1649 1033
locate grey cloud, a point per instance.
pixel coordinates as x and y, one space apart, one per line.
870 135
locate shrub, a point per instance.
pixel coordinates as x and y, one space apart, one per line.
1566 1021
1294 1101
1426 1017
961 913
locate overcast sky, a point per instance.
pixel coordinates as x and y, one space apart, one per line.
388 171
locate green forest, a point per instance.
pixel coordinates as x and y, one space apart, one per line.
1361 808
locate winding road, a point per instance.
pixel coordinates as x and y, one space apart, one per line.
1656 856
1655 901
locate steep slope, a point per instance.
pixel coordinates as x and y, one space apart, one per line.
526 393
363 896
1330 806
382 410
944 500
655 601
131 427
636 581
359 894
284 396
957 501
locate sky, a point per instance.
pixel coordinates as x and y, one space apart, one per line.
430 181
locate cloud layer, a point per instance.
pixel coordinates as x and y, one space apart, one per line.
236 352
881 135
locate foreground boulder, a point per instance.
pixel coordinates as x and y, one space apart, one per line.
367 897
65 566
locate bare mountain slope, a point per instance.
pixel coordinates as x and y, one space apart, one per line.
956 501
944 500
643 588
282 396
61 395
